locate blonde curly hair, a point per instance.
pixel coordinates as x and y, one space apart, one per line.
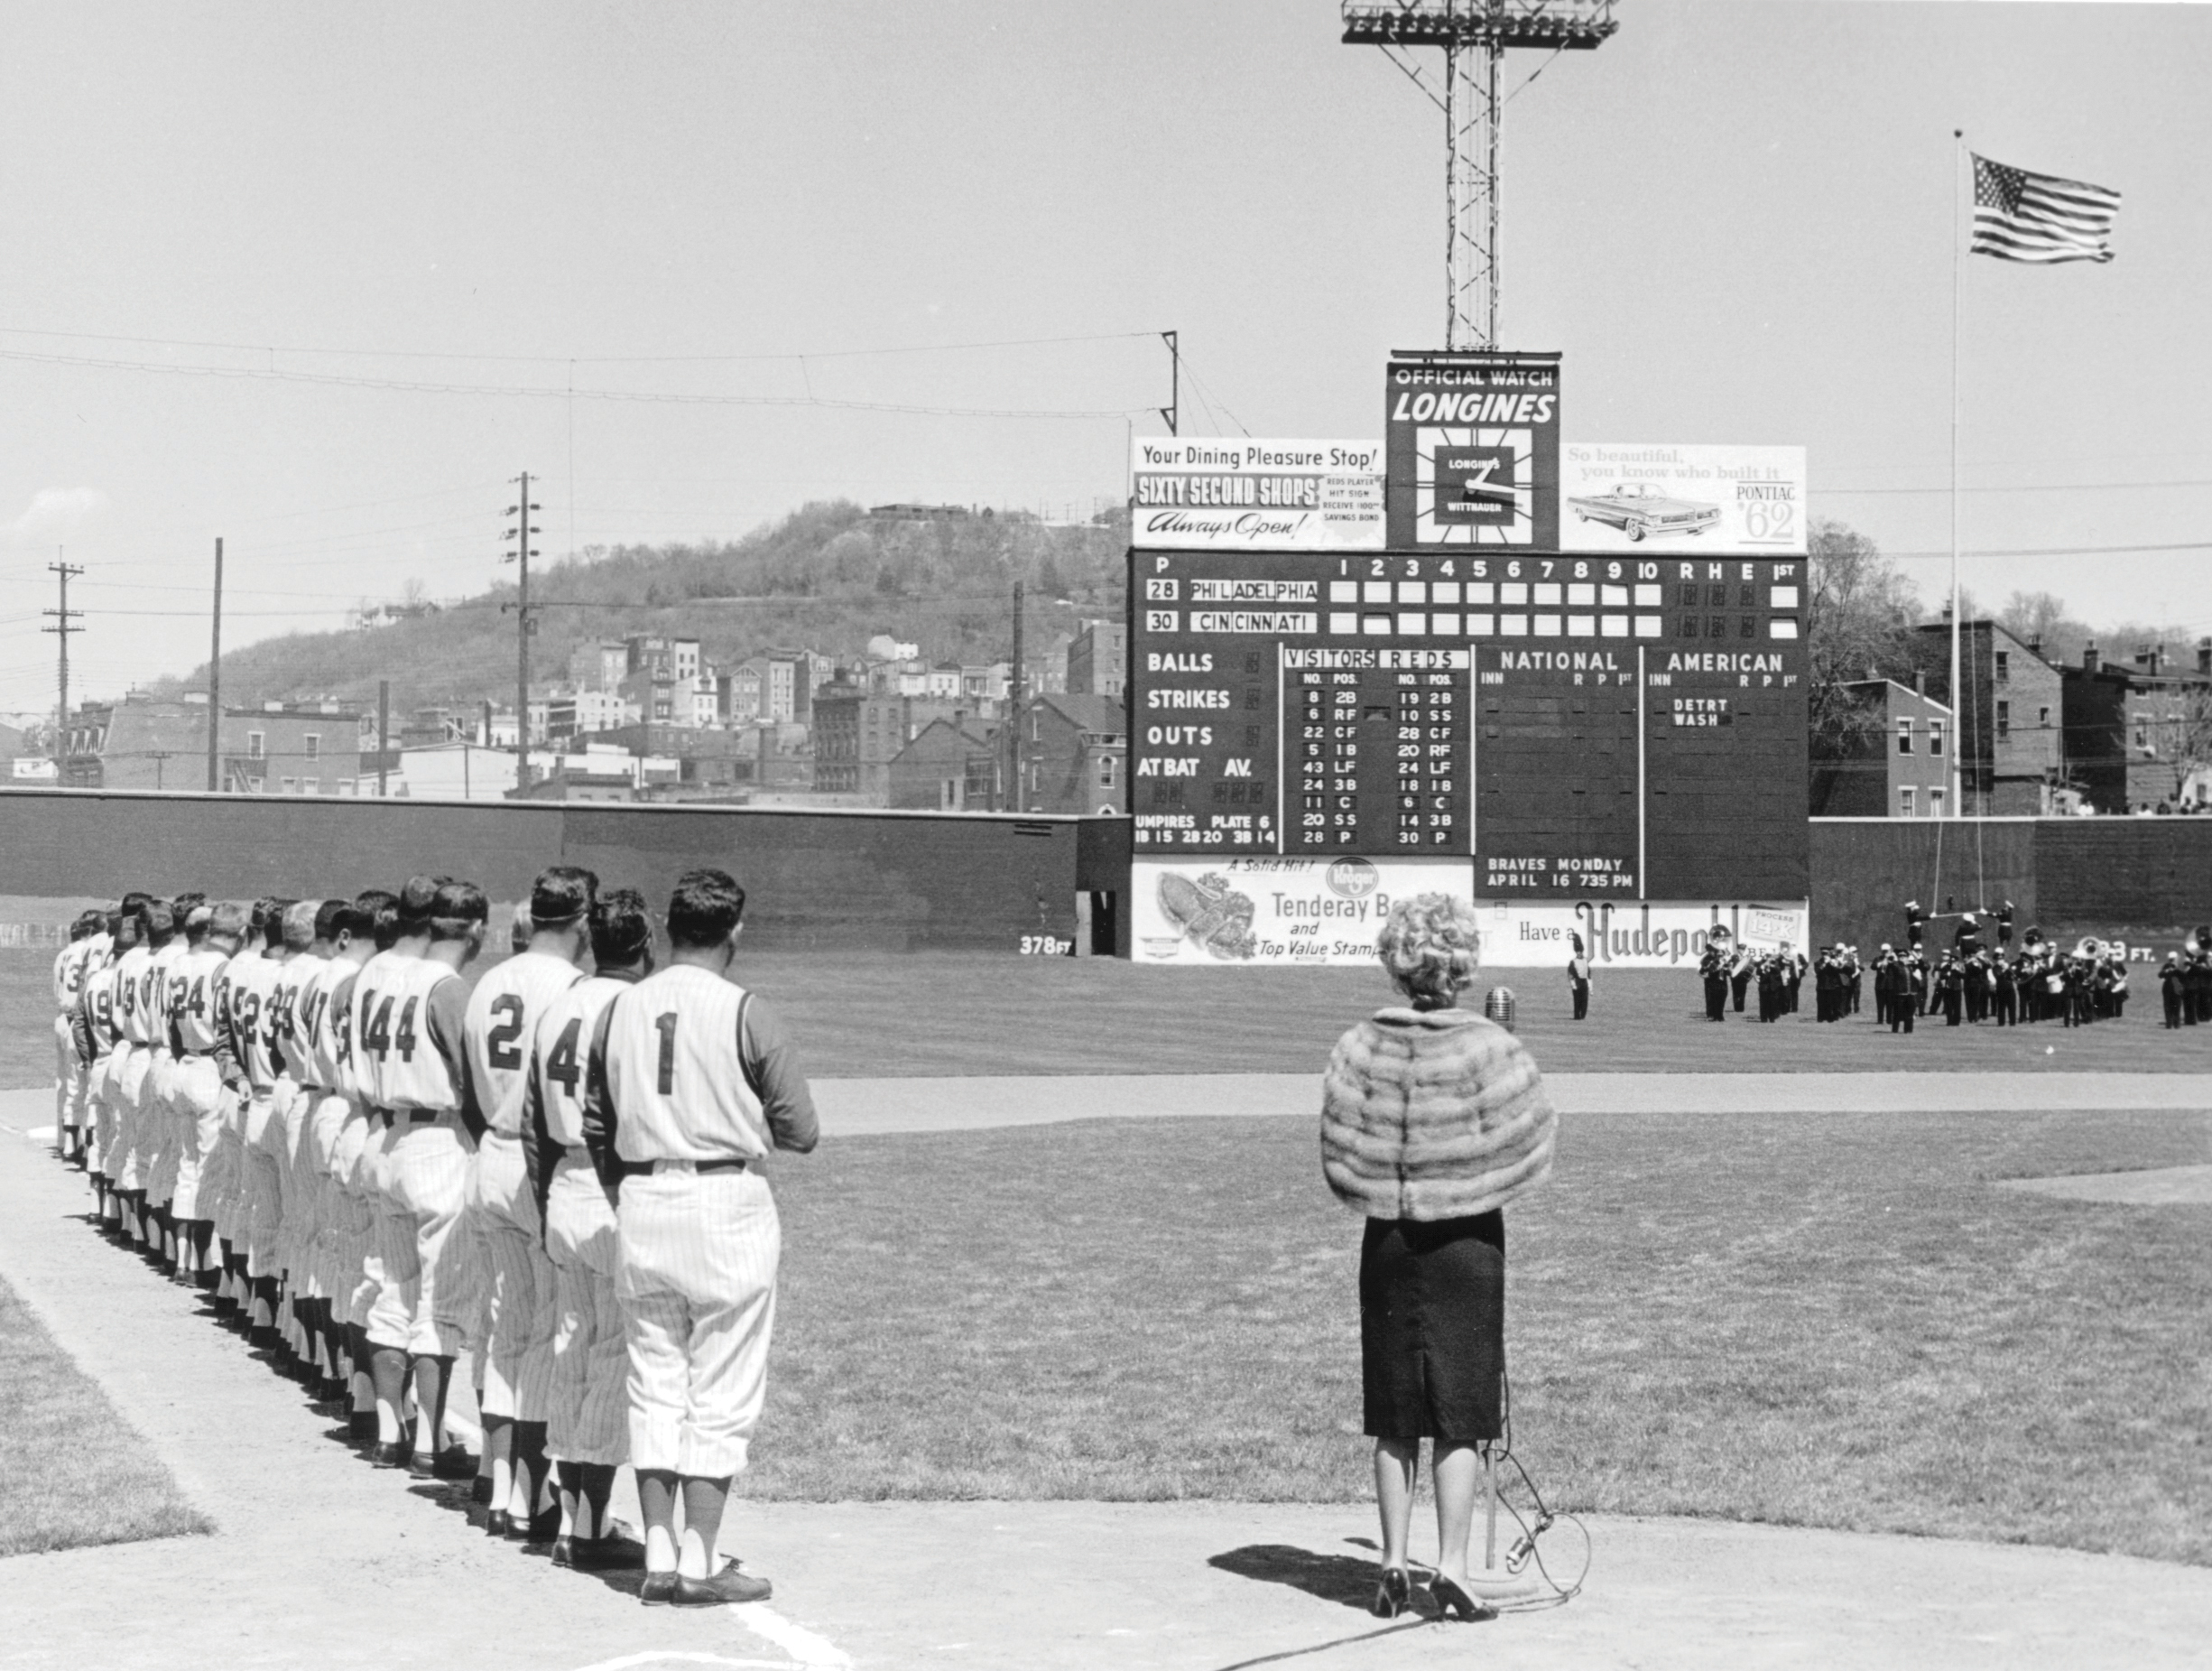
1431 945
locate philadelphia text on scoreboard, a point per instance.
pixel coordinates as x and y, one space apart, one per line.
1537 728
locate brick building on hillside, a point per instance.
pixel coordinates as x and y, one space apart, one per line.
1899 765
2011 755
1075 755
2138 732
952 766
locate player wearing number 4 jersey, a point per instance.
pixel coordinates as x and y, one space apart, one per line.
587 1426
502 1016
691 1087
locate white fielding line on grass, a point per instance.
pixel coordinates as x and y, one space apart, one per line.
664 1656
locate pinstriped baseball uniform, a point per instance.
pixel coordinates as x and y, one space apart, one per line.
327 1251
107 1035
162 1137
252 1003
93 953
502 1016
412 1045
693 1079
391 1230
293 1105
226 1185
69 1071
133 1060
588 1418
199 1084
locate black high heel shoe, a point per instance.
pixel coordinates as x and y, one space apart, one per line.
1451 1600
1392 1595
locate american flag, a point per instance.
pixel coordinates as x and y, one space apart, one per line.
2020 216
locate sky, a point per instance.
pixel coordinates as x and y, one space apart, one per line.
321 281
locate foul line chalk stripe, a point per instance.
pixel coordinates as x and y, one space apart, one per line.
801 1643
676 1657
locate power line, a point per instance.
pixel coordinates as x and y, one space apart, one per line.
529 391
587 360
2056 487
2066 551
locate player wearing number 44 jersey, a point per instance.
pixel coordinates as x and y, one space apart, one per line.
408 1014
503 1013
691 1086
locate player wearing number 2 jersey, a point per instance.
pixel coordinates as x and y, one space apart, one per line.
502 1017
692 1086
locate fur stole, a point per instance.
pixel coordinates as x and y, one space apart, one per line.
1434 1114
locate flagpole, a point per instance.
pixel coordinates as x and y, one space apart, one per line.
1958 291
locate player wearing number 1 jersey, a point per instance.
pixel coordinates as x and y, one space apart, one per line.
693 1085
502 1016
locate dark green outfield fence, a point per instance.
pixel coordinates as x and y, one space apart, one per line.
897 881
915 881
2141 879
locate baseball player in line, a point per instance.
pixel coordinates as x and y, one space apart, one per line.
692 1085
331 1102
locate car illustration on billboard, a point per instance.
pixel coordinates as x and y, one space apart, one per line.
1641 513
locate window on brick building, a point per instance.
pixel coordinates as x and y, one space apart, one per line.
2005 718
1904 800
2042 717
1935 804
2004 666
1904 737
257 745
1935 736
311 742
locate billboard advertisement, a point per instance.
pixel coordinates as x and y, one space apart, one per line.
1616 934
1472 450
1247 496
1260 913
1683 500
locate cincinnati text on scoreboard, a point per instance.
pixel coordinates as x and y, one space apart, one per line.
1573 724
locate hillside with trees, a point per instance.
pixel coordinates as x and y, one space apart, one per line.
828 578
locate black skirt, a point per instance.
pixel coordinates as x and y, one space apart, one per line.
1432 1327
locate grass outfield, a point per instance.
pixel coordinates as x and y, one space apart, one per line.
73 1472
1821 1320
867 1016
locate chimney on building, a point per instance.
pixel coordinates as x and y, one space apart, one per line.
1919 681
2035 643
2089 662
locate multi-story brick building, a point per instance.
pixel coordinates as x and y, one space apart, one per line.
2137 732
2010 741
1898 765
945 765
1098 659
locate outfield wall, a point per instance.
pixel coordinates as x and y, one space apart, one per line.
914 881
896 881
2141 879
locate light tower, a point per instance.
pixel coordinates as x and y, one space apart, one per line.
1474 35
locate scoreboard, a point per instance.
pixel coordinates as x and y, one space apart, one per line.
1576 726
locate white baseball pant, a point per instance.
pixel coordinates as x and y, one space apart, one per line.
518 1339
588 1418
417 1309
697 1278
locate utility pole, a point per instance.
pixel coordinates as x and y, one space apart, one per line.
64 625
215 680
525 625
384 737
1172 411
1016 685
